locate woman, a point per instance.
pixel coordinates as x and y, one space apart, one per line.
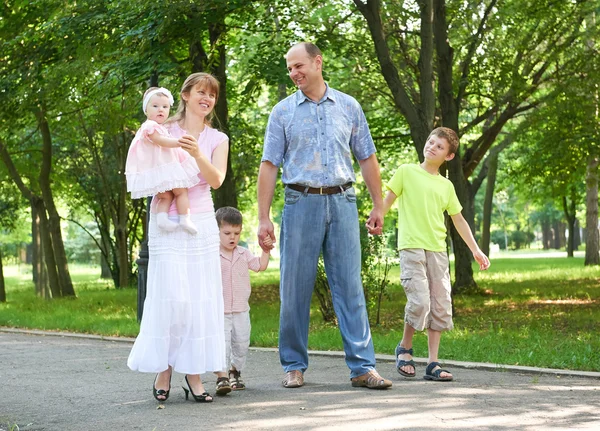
182 325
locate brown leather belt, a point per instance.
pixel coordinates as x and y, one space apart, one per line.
320 190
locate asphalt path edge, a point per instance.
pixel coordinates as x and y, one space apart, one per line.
485 366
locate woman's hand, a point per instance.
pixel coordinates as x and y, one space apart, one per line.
189 144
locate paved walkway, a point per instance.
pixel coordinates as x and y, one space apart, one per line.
78 383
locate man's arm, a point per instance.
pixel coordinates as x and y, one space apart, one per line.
464 230
369 168
267 178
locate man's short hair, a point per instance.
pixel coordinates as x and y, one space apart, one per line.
447 134
312 49
229 215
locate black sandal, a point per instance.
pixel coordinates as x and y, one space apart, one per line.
161 392
402 362
202 398
435 375
237 384
223 386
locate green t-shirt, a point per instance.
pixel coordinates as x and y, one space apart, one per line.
422 199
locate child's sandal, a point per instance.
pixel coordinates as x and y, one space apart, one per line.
402 362
431 373
223 386
237 384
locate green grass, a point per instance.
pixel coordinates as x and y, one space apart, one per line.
98 309
534 311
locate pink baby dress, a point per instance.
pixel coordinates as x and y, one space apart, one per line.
152 169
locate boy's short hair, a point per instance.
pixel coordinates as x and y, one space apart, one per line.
447 134
229 215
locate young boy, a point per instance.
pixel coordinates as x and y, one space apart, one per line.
235 263
423 196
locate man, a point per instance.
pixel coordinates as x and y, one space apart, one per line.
313 134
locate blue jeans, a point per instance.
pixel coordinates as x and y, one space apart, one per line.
311 224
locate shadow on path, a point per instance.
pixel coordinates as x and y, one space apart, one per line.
61 383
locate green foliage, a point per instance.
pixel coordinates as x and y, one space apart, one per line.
88 63
520 239
80 247
377 262
499 237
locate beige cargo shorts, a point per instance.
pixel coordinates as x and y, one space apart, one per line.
425 277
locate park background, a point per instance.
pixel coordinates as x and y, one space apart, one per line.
517 79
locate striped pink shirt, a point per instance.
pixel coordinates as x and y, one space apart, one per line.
236 279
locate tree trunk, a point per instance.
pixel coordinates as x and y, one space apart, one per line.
2 284
463 257
571 222
547 238
54 229
48 250
226 195
449 107
562 231
556 243
104 268
488 203
40 275
121 224
592 238
107 244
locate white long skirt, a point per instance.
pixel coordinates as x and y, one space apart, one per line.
182 324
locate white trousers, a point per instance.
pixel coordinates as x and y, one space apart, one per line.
237 339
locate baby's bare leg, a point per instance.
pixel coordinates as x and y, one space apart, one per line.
164 201
162 210
181 201
183 209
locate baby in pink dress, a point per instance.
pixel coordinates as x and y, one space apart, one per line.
156 165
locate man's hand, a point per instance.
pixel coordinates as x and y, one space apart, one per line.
266 235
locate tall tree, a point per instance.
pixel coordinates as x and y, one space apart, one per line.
505 52
29 92
592 241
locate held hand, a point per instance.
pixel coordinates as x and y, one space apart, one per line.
189 144
374 223
266 233
482 260
268 242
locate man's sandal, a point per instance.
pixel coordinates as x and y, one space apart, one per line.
235 377
430 374
223 386
371 380
402 362
293 379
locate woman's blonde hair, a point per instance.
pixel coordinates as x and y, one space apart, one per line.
205 80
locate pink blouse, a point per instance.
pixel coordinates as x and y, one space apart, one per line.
199 195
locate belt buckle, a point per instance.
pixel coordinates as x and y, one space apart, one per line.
320 190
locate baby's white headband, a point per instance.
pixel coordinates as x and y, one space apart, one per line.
156 91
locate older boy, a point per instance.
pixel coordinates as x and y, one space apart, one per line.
423 196
235 263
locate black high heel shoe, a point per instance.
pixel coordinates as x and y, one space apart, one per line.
161 392
202 398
